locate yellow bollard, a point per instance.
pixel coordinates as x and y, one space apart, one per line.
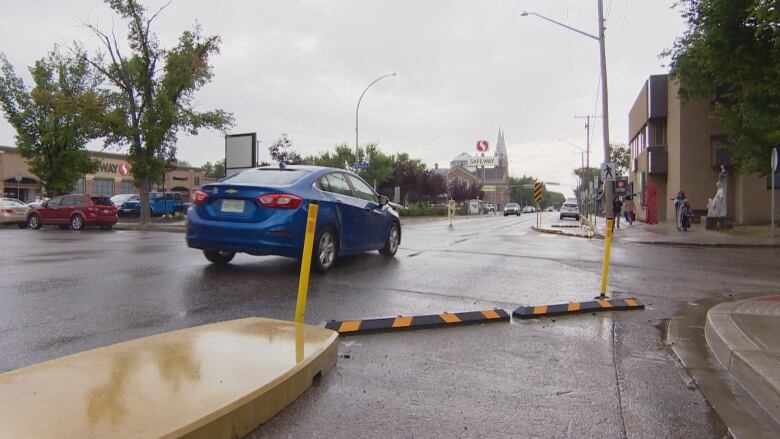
605 264
308 245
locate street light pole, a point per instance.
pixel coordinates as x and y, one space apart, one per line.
605 125
357 110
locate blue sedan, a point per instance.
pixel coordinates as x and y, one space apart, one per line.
262 211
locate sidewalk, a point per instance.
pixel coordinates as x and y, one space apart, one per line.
667 234
552 224
745 338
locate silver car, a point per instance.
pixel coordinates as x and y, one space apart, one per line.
13 211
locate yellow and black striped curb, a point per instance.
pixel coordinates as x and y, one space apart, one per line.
401 323
533 312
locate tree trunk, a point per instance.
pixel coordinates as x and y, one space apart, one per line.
146 213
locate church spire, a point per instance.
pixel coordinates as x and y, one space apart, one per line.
500 144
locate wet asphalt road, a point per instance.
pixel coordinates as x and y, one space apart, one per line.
606 375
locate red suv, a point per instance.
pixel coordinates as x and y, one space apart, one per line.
76 211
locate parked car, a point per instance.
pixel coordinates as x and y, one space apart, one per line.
570 210
490 208
512 209
528 209
262 211
75 211
160 203
13 211
118 200
37 202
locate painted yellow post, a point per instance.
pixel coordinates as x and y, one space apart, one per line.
308 245
605 264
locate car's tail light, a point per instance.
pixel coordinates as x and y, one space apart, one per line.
199 197
280 201
7 210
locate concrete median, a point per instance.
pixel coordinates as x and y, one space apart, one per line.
221 380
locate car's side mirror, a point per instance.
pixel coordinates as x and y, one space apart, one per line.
45 204
383 200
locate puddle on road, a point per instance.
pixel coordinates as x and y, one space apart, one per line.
589 326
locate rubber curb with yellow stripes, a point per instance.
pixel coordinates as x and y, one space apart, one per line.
533 312
401 323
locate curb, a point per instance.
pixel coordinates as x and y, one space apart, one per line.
699 244
562 233
753 368
405 323
177 228
535 312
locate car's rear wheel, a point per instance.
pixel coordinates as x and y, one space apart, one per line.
35 221
219 257
325 250
393 239
76 222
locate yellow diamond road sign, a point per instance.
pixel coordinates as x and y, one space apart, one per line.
538 191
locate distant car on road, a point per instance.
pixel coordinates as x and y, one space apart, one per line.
160 203
262 211
13 211
512 209
570 210
528 209
118 200
490 207
75 211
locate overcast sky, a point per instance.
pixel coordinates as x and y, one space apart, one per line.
464 68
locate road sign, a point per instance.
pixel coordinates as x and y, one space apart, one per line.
608 172
483 145
774 159
489 161
620 185
538 191
18 177
488 188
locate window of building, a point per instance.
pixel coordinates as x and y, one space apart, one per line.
659 133
197 180
103 187
79 187
127 187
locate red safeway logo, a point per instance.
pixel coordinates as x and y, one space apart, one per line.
124 169
483 145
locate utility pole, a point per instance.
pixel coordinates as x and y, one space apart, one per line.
605 117
587 154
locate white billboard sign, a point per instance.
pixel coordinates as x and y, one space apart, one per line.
489 161
240 153
488 188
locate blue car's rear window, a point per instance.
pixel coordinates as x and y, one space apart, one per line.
262 177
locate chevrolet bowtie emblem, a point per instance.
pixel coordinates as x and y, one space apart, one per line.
230 191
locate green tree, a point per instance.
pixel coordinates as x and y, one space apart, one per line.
731 51
282 151
153 90
621 157
55 119
380 165
214 170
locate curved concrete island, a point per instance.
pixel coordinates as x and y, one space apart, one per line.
214 381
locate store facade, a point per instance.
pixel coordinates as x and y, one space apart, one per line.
112 177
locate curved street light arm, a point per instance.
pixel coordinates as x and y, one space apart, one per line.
525 14
357 112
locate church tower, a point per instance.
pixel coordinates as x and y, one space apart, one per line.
501 155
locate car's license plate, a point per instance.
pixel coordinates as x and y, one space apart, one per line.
233 206
105 211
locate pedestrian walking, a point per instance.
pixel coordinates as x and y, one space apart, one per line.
617 207
678 202
630 207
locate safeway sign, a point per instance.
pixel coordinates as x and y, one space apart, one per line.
488 161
